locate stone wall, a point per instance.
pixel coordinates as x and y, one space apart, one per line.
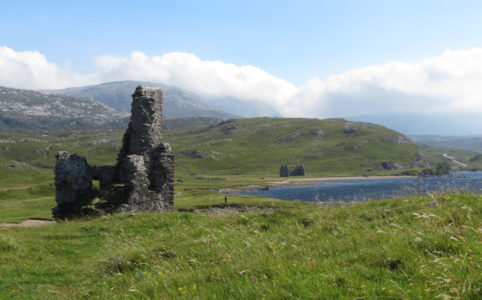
73 183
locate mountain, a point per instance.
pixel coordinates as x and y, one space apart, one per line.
245 108
178 103
473 143
33 112
447 124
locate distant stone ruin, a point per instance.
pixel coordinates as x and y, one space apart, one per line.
298 171
284 171
142 179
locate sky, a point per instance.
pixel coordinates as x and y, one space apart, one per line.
304 58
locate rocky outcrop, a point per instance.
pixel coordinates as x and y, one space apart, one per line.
398 139
319 134
389 165
353 127
144 172
418 162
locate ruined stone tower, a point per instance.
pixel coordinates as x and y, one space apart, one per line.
144 173
145 128
145 164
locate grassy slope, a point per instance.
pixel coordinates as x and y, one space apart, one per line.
247 146
260 145
434 154
396 249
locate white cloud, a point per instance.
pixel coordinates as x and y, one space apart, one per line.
209 78
450 82
31 70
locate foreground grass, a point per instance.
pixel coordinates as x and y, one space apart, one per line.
394 249
25 193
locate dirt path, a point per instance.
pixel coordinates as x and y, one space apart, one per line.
454 160
28 223
16 188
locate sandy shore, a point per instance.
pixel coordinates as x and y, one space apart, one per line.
296 181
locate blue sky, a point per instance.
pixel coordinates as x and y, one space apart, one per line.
294 40
371 60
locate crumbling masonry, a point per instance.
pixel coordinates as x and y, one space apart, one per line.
284 171
144 174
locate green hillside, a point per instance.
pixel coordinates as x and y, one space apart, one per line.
260 145
434 154
246 146
476 161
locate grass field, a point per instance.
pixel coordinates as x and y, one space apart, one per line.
254 247
426 247
394 249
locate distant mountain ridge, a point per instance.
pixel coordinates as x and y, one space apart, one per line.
245 108
437 124
33 112
178 103
473 143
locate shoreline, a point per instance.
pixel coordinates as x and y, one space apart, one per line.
298 181
302 182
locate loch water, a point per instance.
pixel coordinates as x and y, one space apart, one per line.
371 189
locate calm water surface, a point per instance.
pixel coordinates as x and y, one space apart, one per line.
370 189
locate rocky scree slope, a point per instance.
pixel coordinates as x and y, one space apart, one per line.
33 112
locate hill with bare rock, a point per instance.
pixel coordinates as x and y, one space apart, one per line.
29 111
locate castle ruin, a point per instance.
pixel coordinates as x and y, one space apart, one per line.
284 171
143 177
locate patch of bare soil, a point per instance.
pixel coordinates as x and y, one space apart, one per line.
28 223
